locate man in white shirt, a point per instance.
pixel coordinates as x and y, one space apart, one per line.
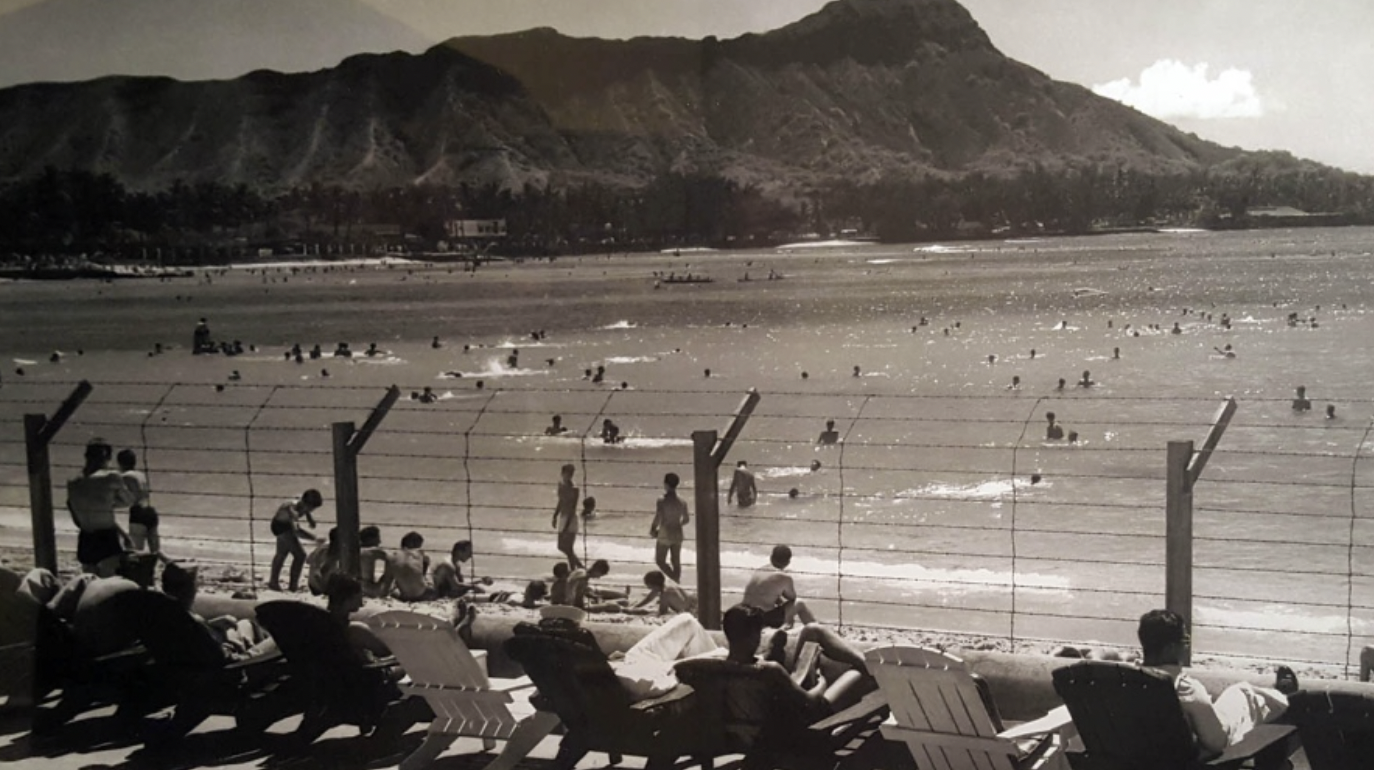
1216 724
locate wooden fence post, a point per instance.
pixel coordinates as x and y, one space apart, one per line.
348 444
39 431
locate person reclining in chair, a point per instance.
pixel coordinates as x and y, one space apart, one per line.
1164 640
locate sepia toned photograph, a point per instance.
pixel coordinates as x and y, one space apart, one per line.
757 384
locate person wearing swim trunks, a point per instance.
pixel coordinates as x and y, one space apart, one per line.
744 484
92 498
142 515
286 528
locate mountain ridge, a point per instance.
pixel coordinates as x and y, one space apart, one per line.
860 90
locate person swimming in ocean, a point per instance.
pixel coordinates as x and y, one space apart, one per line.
1225 352
1053 431
1087 380
829 436
1301 402
556 427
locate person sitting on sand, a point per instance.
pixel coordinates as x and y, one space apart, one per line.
1164 640
448 574
771 587
1053 431
744 484
558 587
409 565
373 563
322 562
583 595
556 427
672 598
1300 402
829 436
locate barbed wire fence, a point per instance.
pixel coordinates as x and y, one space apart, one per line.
932 513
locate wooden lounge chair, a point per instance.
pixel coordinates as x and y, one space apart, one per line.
744 710
336 685
1129 718
465 702
1337 728
938 712
201 679
576 683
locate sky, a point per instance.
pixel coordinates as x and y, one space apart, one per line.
1259 74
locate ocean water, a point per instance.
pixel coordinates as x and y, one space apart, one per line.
925 516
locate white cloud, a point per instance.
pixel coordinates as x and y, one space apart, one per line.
1171 89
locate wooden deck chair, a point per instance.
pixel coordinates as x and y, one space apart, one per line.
441 669
746 710
576 682
328 675
202 680
938 712
1129 718
1337 728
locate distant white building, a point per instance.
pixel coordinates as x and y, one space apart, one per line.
475 228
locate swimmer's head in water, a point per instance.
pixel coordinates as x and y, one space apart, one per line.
793 492
815 465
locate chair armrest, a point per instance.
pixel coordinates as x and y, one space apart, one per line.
1258 739
510 685
253 662
673 696
1052 721
872 704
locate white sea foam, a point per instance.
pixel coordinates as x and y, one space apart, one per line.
631 359
785 472
621 325
942 249
831 244
995 489
495 369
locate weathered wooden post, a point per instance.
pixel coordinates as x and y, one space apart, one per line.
707 456
39 431
348 444
1184 469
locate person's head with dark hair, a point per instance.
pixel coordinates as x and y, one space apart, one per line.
781 556
369 537
535 591
412 540
599 568
462 551
743 626
655 579
127 459
312 498
333 541
741 464
561 570
180 584
345 594
568 470
1163 637
670 482
98 453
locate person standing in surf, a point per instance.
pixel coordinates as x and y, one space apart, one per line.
670 517
565 516
743 484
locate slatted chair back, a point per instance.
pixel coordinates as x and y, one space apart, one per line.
1337 728
1128 717
938 712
